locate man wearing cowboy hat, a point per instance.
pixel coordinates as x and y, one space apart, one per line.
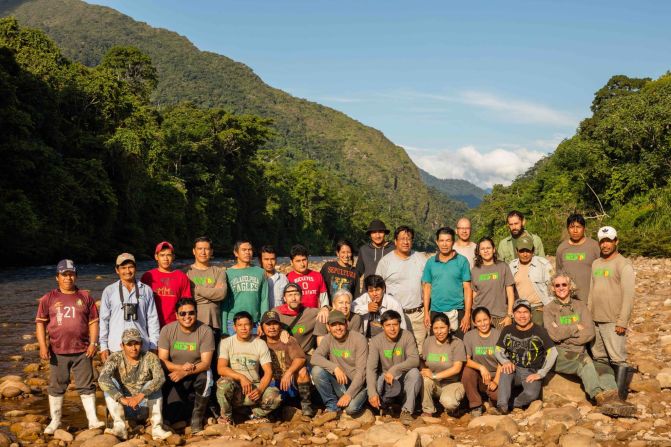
371 253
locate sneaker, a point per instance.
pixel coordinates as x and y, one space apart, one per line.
476 412
406 417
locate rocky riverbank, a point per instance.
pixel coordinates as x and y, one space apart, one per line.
563 418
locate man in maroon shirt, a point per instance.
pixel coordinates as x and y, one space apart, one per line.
70 317
168 285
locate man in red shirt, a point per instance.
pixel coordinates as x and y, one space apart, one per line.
311 282
169 285
70 317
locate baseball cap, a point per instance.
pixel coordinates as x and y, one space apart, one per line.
66 265
607 233
337 317
270 316
123 257
292 285
162 246
521 303
525 242
131 334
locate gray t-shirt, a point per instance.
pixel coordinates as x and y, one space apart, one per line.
245 357
441 356
186 347
304 329
403 277
481 350
489 284
576 260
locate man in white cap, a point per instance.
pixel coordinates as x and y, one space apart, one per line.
68 318
610 301
127 303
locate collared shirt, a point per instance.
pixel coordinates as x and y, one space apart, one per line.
403 277
146 376
360 306
276 284
506 249
540 273
112 323
447 280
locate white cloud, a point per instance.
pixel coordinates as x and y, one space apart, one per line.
483 169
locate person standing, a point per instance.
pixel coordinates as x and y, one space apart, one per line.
127 303
401 270
208 284
277 281
247 288
372 304
446 284
576 254
508 246
340 274
68 317
532 277
371 253
610 301
493 284
312 283
463 245
526 354
169 285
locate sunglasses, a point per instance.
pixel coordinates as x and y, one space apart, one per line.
184 313
560 285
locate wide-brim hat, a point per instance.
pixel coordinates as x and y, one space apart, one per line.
377 225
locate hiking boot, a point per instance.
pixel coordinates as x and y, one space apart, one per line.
609 403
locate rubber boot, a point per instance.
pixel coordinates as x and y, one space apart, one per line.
56 410
156 418
116 411
306 399
199 409
89 404
623 376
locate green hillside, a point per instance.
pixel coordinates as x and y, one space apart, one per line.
458 189
615 171
358 155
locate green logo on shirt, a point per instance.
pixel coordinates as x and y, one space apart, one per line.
574 256
569 319
298 329
484 350
435 357
488 276
341 353
605 273
184 346
397 352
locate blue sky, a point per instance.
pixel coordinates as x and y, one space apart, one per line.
473 90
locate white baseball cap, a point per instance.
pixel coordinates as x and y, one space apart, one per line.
607 233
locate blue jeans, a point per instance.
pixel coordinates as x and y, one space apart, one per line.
530 391
330 390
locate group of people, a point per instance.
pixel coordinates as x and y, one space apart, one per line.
393 330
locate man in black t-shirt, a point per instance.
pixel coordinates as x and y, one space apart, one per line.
526 353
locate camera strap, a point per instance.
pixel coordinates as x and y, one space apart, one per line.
137 292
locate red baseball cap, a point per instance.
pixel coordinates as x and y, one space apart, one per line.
163 245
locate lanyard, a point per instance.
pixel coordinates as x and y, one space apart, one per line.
137 292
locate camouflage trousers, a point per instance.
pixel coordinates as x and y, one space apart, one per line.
230 396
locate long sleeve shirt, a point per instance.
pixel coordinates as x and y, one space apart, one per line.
119 378
349 354
611 293
208 288
112 322
360 306
530 349
389 356
561 320
540 273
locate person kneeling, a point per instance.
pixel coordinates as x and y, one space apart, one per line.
132 379
392 367
241 385
570 325
443 356
339 367
289 371
526 354
186 347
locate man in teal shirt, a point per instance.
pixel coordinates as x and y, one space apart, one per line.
446 284
247 288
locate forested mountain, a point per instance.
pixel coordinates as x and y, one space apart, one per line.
458 189
615 170
375 177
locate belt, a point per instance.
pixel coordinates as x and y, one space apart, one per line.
413 310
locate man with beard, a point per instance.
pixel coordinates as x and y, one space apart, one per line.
508 246
576 254
526 354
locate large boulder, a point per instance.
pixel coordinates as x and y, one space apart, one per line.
564 415
560 388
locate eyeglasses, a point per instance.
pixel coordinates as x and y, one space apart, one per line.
184 313
557 286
